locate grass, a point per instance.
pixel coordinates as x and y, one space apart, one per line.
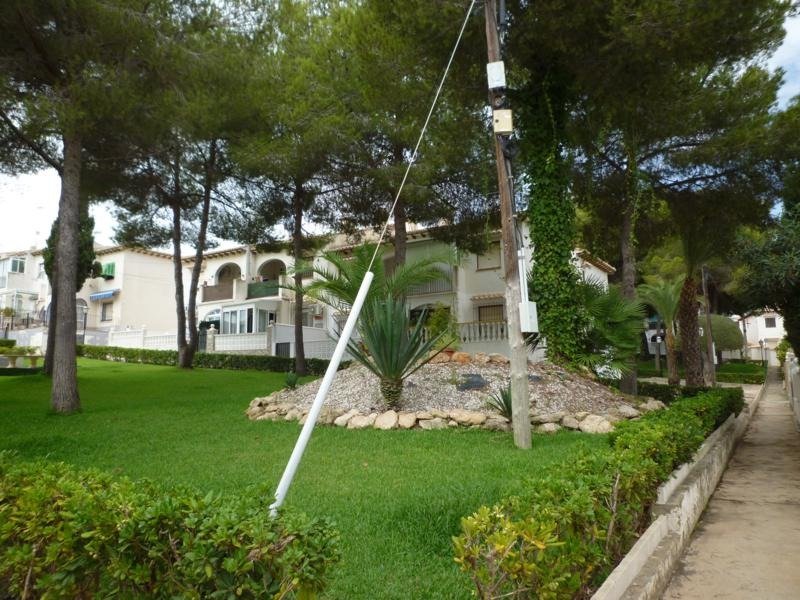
396 497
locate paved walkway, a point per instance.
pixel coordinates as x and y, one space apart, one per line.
747 543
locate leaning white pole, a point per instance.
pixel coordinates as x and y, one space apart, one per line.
319 400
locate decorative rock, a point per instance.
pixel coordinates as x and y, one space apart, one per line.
362 421
570 422
461 358
651 405
480 358
293 414
548 428
547 418
627 411
581 415
439 414
498 359
406 420
328 415
497 423
467 417
442 357
387 420
343 420
452 423
533 378
595 424
268 416
435 423
472 381
424 415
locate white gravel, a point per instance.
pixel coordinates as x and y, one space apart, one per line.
434 387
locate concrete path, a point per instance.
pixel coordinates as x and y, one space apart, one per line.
747 543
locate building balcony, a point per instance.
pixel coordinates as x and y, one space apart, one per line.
215 293
263 289
440 286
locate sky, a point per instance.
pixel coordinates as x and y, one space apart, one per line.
29 203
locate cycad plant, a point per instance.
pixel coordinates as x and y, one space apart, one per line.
337 286
613 328
664 298
390 347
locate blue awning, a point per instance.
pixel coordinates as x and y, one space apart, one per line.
103 295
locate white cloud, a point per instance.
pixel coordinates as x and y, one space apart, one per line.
788 57
28 207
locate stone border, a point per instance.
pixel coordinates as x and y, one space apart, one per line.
269 409
646 569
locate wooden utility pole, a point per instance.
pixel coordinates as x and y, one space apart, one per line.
519 355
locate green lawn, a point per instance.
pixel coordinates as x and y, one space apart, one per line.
396 497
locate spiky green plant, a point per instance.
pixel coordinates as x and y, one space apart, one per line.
337 285
664 298
614 325
390 347
501 401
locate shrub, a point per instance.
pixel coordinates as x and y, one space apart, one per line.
291 380
668 393
561 537
501 402
205 360
781 350
79 534
390 348
7 343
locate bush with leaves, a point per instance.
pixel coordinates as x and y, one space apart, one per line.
66 533
561 537
501 402
390 347
613 327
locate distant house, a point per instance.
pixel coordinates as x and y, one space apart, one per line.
762 330
19 284
242 293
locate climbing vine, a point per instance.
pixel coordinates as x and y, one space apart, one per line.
551 215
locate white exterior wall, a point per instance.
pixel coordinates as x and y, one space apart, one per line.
146 294
20 291
756 330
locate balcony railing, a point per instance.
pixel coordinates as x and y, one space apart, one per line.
483 332
263 289
440 286
222 291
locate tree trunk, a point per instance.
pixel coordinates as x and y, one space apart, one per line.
184 353
49 353
65 397
673 377
208 186
400 234
628 383
297 242
690 337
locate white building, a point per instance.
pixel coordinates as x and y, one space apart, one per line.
763 330
19 284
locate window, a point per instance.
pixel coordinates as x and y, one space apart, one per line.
17 265
108 271
41 274
769 322
491 313
107 311
491 258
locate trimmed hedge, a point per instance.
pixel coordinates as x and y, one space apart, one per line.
205 360
562 537
14 371
755 378
7 343
668 393
66 533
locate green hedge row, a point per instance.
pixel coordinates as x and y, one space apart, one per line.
668 393
205 360
83 534
756 378
7 343
562 537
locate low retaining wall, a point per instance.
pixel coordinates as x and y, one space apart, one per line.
646 569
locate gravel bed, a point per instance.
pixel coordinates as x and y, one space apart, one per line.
434 386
